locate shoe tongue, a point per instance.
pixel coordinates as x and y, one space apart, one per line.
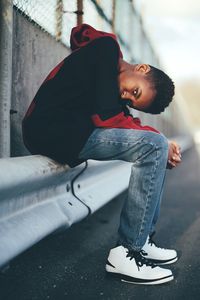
125 250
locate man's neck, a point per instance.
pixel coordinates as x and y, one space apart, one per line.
124 66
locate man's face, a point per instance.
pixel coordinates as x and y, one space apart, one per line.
135 87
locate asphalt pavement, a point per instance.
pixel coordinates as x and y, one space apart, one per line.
71 265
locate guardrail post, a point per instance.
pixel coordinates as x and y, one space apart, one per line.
6 24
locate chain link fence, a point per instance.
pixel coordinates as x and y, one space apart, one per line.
56 17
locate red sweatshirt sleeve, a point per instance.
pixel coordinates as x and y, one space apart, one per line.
108 109
121 121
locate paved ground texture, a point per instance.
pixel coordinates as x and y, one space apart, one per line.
70 265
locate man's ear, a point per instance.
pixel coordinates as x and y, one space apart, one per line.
143 68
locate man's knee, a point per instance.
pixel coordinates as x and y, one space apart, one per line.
158 142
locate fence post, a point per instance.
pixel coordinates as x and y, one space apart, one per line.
79 12
113 14
59 18
6 27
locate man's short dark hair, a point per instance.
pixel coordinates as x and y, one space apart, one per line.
164 87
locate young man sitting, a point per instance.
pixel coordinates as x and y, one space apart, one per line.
81 112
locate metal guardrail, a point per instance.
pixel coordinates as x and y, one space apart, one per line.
39 196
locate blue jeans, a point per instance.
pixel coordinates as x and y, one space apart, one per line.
148 153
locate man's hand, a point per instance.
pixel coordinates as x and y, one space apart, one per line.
174 156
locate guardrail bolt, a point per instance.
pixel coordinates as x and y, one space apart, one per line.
68 188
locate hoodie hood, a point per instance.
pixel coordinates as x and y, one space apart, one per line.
83 34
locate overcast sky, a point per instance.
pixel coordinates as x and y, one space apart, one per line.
174 29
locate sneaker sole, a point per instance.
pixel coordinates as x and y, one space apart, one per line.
163 262
168 262
129 279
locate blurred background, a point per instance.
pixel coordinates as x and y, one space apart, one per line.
173 28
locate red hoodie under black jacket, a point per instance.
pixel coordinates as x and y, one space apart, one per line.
79 94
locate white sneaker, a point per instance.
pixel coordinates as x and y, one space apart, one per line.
131 266
159 256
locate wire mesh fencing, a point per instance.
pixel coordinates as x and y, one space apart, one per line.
56 17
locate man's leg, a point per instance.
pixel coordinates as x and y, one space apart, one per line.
157 211
148 153
144 191
150 249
